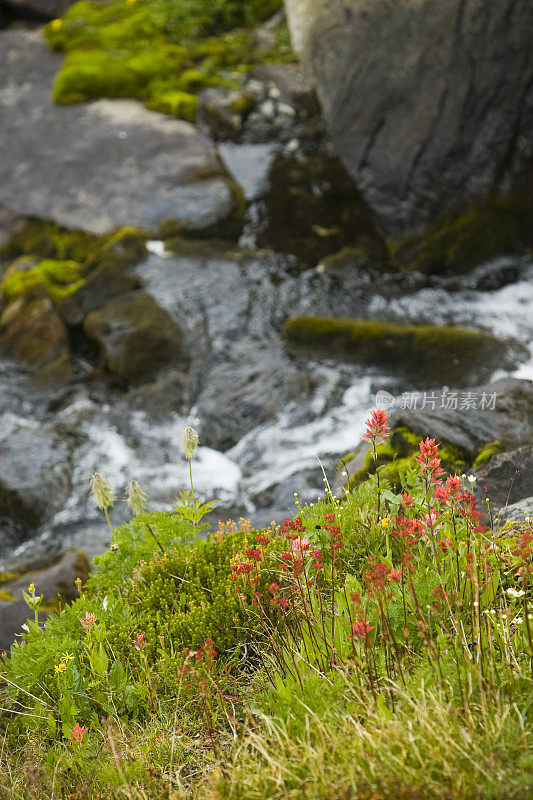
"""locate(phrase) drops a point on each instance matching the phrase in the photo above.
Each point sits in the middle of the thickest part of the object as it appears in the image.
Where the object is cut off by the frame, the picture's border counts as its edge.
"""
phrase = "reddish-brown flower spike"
(376, 425)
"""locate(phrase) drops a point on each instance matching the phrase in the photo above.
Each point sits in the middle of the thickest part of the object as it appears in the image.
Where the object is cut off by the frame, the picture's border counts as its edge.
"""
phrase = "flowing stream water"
(231, 306)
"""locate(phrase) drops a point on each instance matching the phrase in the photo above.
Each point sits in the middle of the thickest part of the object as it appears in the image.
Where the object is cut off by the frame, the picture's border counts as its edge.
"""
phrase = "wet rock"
(57, 580)
(32, 332)
(221, 112)
(170, 393)
(10, 223)
(35, 469)
(108, 163)
(516, 512)
(253, 382)
(136, 337)
(35, 9)
(506, 479)
(426, 102)
(510, 421)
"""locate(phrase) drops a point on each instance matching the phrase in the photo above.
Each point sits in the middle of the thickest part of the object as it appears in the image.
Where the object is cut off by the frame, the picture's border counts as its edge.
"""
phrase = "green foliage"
(428, 353)
(159, 51)
(399, 664)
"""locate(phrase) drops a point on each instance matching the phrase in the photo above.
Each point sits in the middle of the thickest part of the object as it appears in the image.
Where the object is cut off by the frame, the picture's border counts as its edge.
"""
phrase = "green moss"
(428, 354)
(46, 240)
(486, 453)
(156, 49)
(60, 279)
(500, 224)
(177, 103)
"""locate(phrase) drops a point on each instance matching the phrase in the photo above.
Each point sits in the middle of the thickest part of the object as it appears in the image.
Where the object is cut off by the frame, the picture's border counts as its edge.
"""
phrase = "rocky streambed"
(182, 319)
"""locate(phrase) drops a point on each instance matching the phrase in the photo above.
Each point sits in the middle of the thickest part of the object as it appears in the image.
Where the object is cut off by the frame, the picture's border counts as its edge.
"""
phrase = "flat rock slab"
(99, 165)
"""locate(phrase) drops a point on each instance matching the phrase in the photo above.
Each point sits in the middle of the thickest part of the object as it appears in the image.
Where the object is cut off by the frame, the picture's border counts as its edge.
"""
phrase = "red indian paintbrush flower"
(362, 629)
(376, 425)
(88, 620)
(77, 733)
(138, 642)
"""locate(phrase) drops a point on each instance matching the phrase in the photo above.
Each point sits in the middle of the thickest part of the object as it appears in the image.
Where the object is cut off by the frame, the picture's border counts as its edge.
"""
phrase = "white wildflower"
(515, 592)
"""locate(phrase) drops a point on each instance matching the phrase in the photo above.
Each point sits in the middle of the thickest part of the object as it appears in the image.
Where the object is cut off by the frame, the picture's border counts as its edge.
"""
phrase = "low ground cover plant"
(377, 644)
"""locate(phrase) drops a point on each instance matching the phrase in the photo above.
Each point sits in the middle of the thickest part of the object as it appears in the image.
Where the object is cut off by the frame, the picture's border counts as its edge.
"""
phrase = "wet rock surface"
(35, 471)
(99, 165)
(136, 337)
(506, 479)
(427, 102)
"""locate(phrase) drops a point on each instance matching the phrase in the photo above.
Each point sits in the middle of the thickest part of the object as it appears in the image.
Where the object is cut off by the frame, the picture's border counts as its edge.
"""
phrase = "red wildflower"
(407, 499)
(274, 587)
(376, 425)
(362, 629)
(138, 642)
(77, 733)
(88, 621)
(299, 545)
(262, 539)
(329, 517)
(254, 554)
(284, 602)
(444, 544)
(395, 575)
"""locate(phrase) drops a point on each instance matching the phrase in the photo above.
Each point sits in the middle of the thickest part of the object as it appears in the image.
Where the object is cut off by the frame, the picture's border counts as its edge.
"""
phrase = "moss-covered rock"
(32, 332)
(44, 239)
(136, 337)
(485, 453)
(59, 278)
(161, 52)
(430, 355)
(457, 242)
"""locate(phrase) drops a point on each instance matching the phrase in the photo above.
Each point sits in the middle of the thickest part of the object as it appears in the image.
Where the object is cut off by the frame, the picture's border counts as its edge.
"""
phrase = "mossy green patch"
(456, 242)
(157, 50)
(60, 279)
(486, 453)
(429, 354)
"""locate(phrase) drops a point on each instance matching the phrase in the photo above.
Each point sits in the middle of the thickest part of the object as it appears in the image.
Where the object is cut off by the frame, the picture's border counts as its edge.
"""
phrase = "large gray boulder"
(428, 101)
(99, 165)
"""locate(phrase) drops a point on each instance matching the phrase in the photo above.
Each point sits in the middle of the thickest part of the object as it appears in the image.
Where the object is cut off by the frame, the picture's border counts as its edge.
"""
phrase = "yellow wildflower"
(31, 587)
(385, 522)
(56, 24)
(67, 657)
(60, 668)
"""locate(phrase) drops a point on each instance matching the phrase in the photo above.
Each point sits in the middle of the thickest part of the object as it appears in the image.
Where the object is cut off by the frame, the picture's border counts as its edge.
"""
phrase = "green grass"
(159, 51)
